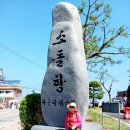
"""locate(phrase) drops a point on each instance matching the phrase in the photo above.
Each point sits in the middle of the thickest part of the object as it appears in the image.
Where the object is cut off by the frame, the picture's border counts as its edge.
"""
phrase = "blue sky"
(25, 27)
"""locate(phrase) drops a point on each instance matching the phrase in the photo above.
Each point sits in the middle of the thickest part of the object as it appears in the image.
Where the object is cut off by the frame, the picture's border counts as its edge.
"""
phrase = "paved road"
(117, 117)
(8, 116)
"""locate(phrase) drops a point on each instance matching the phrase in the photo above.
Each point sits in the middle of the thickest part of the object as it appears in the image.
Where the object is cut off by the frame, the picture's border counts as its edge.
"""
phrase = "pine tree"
(95, 91)
(99, 38)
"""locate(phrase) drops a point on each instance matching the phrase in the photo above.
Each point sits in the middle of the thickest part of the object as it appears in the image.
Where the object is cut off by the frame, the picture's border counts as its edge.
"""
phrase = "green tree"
(99, 38)
(95, 91)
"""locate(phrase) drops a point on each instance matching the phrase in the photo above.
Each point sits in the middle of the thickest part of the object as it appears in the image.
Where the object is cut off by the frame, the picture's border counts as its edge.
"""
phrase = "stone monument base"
(42, 127)
(87, 126)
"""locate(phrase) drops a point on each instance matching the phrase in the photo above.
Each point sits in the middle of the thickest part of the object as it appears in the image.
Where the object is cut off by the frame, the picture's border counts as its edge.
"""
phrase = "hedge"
(30, 111)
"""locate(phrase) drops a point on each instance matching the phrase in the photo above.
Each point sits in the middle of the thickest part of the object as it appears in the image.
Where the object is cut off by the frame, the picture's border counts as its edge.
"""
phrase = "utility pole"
(129, 77)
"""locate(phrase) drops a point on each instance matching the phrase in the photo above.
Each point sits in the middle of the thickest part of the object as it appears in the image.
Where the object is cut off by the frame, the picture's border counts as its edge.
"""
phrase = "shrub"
(30, 111)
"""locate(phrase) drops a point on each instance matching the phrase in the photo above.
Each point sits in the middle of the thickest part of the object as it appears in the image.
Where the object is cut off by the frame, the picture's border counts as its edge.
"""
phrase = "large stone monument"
(66, 76)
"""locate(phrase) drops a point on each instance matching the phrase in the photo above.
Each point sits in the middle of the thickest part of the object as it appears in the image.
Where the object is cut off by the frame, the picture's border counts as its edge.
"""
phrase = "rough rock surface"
(66, 76)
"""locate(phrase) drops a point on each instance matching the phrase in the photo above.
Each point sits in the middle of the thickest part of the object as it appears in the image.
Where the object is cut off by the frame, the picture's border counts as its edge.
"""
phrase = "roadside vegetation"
(95, 91)
(95, 115)
(30, 111)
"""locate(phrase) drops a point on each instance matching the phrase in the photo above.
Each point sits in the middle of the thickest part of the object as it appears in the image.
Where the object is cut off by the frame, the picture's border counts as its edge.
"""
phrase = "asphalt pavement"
(8, 117)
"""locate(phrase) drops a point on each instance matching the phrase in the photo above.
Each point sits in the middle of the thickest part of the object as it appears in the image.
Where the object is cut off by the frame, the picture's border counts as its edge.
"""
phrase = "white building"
(10, 91)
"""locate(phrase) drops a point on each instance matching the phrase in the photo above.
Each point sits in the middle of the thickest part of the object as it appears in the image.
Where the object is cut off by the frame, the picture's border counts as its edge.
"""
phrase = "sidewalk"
(15, 126)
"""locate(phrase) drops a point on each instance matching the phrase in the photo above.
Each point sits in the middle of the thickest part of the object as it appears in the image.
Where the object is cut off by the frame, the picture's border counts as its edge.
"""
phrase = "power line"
(20, 56)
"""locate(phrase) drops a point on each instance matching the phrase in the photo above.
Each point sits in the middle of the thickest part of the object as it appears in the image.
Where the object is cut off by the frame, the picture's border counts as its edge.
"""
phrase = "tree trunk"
(93, 102)
(109, 97)
(93, 98)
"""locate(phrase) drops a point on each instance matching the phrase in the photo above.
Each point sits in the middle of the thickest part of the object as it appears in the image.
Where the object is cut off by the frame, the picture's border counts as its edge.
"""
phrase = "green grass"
(95, 115)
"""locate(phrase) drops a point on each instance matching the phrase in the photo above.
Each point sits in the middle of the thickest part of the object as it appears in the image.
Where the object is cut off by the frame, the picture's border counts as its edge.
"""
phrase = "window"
(7, 91)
